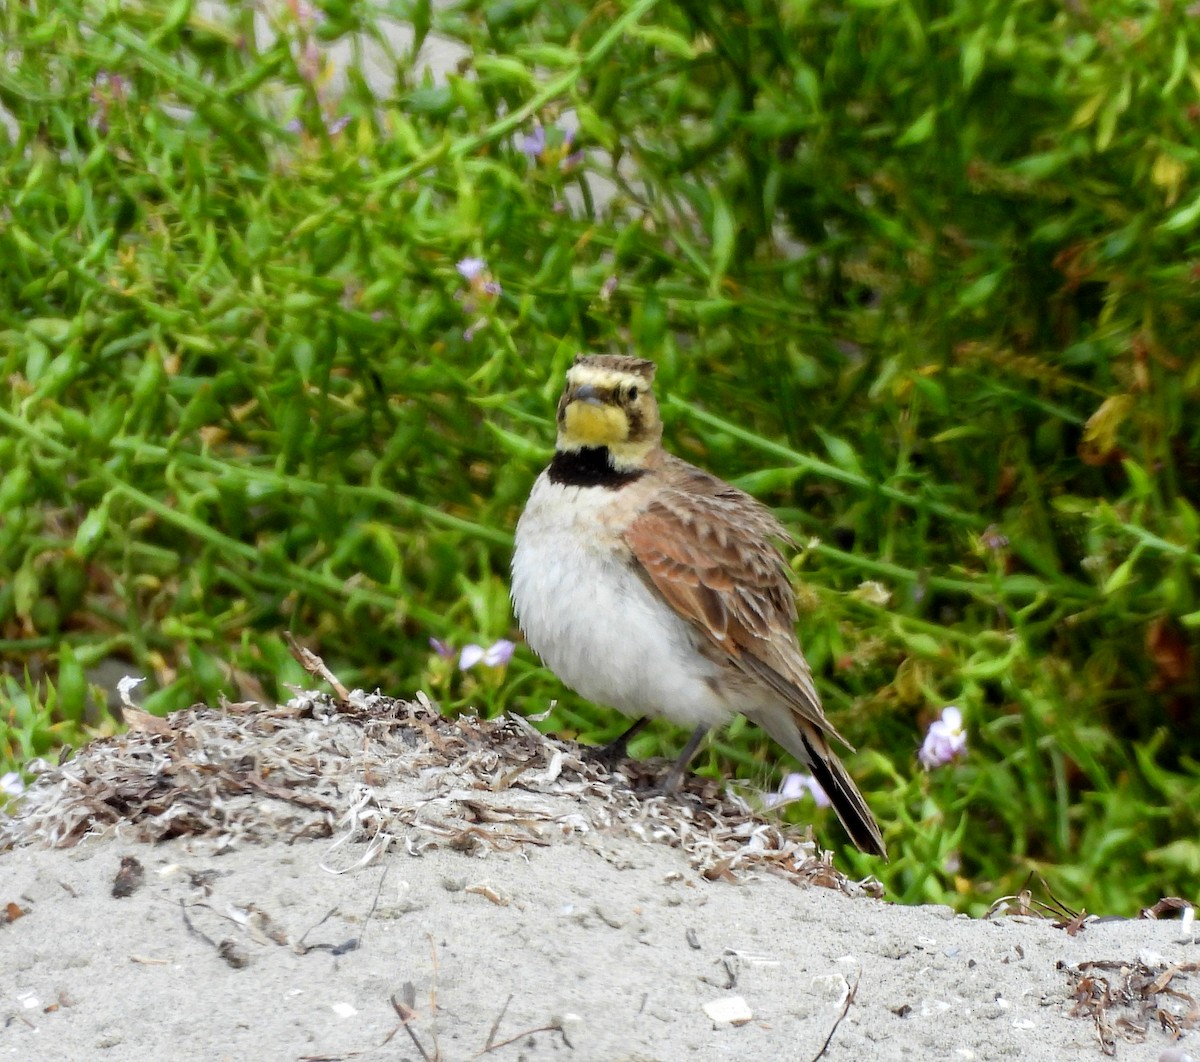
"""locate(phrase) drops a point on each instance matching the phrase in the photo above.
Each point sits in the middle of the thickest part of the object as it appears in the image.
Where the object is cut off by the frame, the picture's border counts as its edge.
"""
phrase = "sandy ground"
(536, 911)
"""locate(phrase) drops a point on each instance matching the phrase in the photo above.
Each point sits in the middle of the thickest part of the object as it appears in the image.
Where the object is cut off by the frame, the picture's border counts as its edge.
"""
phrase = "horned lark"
(651, 586)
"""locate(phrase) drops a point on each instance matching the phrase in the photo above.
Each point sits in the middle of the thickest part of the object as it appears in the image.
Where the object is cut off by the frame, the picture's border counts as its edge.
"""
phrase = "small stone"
(572, 1028)
(831, 987)
(732, 1010)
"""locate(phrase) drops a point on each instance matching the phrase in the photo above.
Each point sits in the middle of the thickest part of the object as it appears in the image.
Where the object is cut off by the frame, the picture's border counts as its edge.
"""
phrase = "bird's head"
(608, 404)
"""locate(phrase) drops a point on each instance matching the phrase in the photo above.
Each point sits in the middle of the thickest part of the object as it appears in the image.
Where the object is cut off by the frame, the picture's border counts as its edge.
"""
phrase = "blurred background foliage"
(923, 276)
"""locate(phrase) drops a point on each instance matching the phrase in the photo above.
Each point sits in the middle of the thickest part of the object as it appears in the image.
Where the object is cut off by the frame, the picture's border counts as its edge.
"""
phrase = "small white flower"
(470, 656)
(470, 268)
(11, 784)
(873, 592)
(946, 740)
(498, 654)
(794, 786)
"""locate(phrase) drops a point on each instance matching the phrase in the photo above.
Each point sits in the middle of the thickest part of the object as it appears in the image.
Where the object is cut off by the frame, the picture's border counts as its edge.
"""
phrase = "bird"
(653, 587)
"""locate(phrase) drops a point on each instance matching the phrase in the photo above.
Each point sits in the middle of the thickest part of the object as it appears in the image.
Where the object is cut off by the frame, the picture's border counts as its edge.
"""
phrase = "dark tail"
(847, 801)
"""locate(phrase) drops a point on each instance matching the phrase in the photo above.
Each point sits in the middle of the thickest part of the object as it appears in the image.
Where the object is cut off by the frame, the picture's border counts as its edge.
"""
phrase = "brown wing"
(707, 548)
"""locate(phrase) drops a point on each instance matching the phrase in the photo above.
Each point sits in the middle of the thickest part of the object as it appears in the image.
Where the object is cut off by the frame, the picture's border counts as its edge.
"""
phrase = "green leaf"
(723, 235)
(92, 529)
(1069, 503)
(973, 54)
(1112, 110)
(552, 56)
(920, 130)
(594, 127)
(52, 330)
(1181, 856)
(841, 453)
(1121, 576)
(979, 291)
(1140, 483)
(1185, 218)
(504, 69)
(71, 684)
(664, 39)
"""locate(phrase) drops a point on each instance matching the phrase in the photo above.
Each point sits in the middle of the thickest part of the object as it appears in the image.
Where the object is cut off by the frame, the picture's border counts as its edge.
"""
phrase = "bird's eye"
(633, 394)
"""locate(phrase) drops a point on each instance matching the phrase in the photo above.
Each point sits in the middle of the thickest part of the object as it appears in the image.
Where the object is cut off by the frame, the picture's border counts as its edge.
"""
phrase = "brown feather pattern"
(708, 549)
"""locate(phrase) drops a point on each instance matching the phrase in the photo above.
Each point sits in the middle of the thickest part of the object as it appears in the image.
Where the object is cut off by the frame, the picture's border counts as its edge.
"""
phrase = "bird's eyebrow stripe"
(604, 379)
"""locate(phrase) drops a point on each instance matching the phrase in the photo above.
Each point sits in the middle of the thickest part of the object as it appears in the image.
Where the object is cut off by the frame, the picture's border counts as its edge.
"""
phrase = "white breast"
(595, 623)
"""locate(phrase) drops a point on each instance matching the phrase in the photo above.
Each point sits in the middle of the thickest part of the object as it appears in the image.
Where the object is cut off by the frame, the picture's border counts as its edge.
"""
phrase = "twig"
(374, 903)
(192, 929)
(838, 1021)
(496, 1024)
(406, 1014)
(315, 666)
(433, 1004)
(335, 949)
(519, 1036)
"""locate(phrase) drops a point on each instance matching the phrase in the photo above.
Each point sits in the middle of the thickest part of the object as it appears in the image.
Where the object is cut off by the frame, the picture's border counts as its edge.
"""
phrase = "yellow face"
(608, 405)
(588, 423)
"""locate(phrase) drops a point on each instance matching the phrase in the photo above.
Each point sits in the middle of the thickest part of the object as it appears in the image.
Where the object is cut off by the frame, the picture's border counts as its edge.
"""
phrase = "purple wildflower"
(993, 538)
(481, 292)
(306, 15)
(107, 89)
(945, 740)
(308, 61)
(470, 656)
(550, 151)
(533, 145)
(444, 650)
(336, 125)
(499, 653)
(11, 784)
(571, 159)
(115, 85)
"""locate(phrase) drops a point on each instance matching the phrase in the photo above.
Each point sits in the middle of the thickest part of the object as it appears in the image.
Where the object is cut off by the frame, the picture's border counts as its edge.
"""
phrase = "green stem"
(827, 470)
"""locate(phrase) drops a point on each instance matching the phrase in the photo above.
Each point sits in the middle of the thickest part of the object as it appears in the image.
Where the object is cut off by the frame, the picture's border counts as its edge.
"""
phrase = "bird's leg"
(671, 782)
(615, 750)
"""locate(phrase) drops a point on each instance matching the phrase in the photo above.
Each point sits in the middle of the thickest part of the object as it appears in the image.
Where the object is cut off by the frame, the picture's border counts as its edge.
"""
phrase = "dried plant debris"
(1126, 999)
(10, 912)
(373, 771)
(129, 877)
(1052, 908)
(1063, 917)
(1168, 905)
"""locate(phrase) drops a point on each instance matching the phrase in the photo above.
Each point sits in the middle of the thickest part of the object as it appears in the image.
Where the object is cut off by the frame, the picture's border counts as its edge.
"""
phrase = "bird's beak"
(586, 393)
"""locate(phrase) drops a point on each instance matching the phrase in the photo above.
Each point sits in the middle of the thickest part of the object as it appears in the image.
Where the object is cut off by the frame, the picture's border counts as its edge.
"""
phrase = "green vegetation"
(924, 277)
